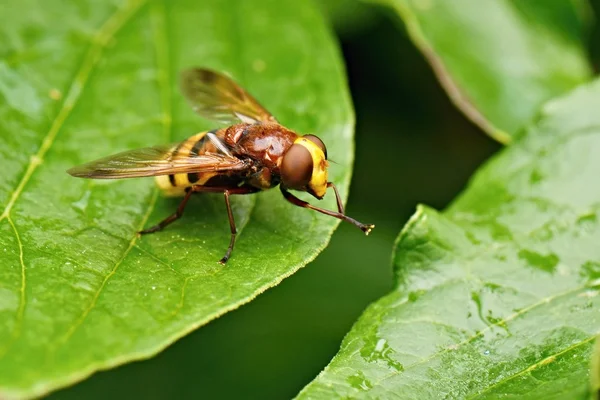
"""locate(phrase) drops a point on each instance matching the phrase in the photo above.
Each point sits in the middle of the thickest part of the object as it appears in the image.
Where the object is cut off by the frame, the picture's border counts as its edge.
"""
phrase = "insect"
(253, 153)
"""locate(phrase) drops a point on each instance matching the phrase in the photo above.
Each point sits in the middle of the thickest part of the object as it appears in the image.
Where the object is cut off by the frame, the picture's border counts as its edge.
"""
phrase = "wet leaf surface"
(498, 296)
(79, 291)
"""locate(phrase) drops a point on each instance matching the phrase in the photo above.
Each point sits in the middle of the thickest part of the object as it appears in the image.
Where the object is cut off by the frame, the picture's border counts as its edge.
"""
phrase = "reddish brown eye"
(296, 167)
(318, 142)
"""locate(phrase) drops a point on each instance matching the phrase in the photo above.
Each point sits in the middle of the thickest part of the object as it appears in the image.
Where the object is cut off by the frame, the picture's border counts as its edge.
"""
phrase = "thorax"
(265, 142)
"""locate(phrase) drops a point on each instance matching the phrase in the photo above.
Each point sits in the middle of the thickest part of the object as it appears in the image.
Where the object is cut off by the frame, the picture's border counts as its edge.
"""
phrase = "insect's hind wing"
(217, 97)
(155, 161)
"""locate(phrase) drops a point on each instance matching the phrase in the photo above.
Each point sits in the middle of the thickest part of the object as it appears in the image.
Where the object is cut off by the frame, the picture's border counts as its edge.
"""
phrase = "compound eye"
(296, 167)
(318, 142)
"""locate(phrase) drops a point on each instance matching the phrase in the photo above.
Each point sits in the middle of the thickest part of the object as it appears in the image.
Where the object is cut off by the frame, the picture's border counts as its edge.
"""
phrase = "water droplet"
(587, 222)
(381, 352)
(67, 267)
(380, 344)
(359, 381)
(83, 285)
(82, 203)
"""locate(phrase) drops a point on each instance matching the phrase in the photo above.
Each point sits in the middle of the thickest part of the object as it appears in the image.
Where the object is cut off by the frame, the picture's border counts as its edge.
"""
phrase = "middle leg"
(226, 193)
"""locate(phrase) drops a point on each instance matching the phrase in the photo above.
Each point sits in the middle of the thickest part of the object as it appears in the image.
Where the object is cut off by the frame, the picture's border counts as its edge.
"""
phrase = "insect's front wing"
(156, 161)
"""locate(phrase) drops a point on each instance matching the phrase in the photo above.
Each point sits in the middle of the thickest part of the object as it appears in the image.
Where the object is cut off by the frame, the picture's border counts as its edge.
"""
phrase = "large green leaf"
(79, 291)
(594, 389)
(500, 60)
(498, 296)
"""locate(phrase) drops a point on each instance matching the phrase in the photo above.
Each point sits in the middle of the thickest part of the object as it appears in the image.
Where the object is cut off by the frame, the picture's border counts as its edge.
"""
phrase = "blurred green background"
(412, 146)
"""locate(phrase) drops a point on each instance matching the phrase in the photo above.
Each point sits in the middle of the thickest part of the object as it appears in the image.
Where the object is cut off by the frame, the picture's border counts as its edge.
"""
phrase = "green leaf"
(497, 297)
(594, 393)
(500, 60)
(347, 16)
(79, 291)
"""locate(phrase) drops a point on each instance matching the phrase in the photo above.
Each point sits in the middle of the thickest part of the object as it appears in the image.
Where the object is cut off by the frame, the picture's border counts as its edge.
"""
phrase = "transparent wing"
(153, 161)
(217, 97)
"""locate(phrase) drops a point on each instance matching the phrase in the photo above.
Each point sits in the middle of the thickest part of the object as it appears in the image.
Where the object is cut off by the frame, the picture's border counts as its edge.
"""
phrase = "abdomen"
(175, 184)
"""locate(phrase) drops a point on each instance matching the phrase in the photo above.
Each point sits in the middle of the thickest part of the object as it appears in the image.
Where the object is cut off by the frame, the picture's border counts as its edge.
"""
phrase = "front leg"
(338, 199)
(366, 228)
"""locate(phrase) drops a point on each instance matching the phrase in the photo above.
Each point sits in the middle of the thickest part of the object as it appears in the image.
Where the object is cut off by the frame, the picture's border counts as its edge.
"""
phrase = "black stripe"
(176, 149)
(198, 145)
(193, 177)
(172, 180)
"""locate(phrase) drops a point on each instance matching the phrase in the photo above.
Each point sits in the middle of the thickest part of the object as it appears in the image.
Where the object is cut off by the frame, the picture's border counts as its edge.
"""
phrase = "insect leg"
(231, 226)
(227, 192)
(171, 217)
(337, 197)
(366, 228)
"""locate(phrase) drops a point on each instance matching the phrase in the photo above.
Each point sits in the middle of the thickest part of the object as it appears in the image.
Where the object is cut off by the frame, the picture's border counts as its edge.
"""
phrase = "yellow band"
(318, 180)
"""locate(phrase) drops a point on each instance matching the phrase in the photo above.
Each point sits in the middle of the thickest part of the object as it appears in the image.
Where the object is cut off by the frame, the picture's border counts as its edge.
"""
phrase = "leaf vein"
(106, 32)
(551, 358)
(22, 299)
(163, 84)
(83, 316)
(480, 333)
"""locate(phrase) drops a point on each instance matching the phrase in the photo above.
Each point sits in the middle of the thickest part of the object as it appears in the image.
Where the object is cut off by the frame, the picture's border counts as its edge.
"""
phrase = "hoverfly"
(253, 153)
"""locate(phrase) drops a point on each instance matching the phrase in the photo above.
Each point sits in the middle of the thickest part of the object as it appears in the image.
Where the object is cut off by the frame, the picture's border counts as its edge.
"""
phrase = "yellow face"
(317, 185)
(304, 166)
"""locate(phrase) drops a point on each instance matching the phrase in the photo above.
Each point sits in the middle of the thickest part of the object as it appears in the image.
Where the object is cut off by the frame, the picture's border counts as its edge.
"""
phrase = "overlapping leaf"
(500, 61)
(498, 297)
(79, 291)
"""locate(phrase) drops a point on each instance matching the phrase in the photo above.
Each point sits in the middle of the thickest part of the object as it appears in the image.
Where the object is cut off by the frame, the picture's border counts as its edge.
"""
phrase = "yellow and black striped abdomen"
(175, 185)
